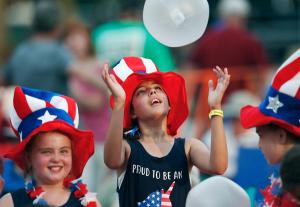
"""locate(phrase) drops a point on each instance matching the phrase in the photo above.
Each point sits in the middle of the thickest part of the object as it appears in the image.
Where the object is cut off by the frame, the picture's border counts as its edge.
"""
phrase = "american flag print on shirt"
(158, 198)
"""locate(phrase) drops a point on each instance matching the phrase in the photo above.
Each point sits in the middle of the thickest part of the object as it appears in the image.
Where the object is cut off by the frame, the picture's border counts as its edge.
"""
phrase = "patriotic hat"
(281, 105)
(130, 72)
(36, 111)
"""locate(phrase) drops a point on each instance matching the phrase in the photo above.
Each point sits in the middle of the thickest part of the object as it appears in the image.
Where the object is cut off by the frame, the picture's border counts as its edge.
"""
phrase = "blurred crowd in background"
(62, 45)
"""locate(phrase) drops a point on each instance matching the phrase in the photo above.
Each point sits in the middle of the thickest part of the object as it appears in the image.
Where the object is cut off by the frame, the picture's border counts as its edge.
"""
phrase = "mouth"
(155, 101)
(55, 168)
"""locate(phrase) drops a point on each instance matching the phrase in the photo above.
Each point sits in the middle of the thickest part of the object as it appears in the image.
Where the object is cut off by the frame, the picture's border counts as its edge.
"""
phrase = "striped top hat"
(130, 72)
(281, 105)
(36, 111)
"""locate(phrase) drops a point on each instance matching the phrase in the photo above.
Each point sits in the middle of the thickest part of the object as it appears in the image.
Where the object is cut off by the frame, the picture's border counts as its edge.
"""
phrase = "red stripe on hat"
(20, 104)
(71, 107)
(298, 94)
(48, 105)
(286, 73)
(116, 76)
(135, 64)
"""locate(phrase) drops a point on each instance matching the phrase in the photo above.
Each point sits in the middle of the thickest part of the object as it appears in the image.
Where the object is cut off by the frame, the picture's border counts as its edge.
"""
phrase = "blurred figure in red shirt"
(229, 43)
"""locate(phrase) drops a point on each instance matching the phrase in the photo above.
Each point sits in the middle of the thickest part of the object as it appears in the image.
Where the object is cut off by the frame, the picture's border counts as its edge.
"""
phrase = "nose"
(152, 91)
(55, 157)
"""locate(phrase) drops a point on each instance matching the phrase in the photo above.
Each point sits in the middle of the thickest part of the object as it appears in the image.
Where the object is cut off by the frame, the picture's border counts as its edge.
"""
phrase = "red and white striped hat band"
(130, 65)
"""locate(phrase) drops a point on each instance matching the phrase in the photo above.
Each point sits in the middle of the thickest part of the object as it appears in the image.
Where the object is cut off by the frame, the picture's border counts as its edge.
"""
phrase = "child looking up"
(153, 164)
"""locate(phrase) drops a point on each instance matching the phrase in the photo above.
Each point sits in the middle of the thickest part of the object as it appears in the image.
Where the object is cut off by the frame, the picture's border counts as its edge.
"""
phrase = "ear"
(283, 137)
(27, 161)
(133, 116)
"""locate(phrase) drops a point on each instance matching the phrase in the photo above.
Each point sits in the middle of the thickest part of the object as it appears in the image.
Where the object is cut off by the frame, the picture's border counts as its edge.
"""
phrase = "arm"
(75, 70)
(6, 200)
(115, 148)
(217, 159)
(98, 203)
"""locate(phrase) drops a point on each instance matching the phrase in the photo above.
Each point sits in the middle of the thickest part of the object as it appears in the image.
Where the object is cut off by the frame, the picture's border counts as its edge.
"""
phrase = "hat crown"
(133, 65)
(287, 77)
(281, 105)
(282, 101)
(33, 108)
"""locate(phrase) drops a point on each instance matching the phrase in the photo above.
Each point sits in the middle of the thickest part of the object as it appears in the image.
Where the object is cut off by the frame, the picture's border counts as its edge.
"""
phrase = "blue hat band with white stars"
(281, 106)
(40, 117)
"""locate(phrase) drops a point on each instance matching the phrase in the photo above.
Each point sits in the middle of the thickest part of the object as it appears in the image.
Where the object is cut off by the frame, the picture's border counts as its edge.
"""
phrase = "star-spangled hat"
(36, 111)
(130, 72)
(281, 105)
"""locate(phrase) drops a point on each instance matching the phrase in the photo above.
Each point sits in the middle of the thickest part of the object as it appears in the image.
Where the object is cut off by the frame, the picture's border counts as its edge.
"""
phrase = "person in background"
(42, 62)
(127, 36)
(93, 106)
(229, 43)
(276, 119)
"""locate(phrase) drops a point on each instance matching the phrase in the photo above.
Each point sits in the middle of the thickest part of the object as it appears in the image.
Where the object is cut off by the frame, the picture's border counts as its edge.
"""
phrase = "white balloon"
(217, 191)
(176, 23)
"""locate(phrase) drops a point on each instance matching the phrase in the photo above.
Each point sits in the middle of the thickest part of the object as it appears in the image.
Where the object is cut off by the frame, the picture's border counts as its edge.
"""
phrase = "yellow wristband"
(216, 112)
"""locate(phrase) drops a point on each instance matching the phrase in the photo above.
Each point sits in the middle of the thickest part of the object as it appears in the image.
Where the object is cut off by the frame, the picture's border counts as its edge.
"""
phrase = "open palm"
(113, 85)
(215, 95)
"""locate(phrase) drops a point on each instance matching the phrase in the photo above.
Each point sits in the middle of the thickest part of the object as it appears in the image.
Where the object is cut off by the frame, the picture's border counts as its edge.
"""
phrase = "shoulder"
(6, 200)
(191, 143)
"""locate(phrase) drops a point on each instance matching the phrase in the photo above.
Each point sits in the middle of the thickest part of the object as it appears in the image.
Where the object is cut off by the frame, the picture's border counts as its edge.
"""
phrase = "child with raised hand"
(277, 118)
(52, 151)
(153, 165)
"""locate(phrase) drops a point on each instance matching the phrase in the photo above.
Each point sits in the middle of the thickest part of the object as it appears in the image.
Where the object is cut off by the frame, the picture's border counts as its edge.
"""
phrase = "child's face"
(269, 143)
(51, 157)
(150, 101)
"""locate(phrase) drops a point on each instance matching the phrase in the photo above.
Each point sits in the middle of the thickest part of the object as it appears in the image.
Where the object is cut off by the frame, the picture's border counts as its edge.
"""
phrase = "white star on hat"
(274, 104)
(47, 117)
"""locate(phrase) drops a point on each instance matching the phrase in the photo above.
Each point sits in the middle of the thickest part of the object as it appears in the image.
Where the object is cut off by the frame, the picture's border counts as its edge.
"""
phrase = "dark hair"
(293, 137)
(47, 16)
(290, 170)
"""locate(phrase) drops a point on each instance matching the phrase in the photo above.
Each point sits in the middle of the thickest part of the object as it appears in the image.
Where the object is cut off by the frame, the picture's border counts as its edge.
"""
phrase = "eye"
(140, 91)
(65, 151)
(158, 88)
(46, 152)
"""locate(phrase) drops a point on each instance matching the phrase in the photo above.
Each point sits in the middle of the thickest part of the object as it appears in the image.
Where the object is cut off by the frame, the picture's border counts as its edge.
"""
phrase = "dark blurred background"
(275, 22)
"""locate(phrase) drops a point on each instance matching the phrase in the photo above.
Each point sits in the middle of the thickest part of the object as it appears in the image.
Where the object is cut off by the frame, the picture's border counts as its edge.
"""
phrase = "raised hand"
(114, 87)
(215, 95)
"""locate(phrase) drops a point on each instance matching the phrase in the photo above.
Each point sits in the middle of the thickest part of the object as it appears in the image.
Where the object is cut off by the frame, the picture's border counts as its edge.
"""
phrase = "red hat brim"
(82, 145)
(251, 116)
(174, 86)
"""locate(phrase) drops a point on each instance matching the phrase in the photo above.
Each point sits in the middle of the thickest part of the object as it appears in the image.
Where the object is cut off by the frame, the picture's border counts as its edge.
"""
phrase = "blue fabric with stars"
(37, 118)
(281, 106)
(153, 200)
